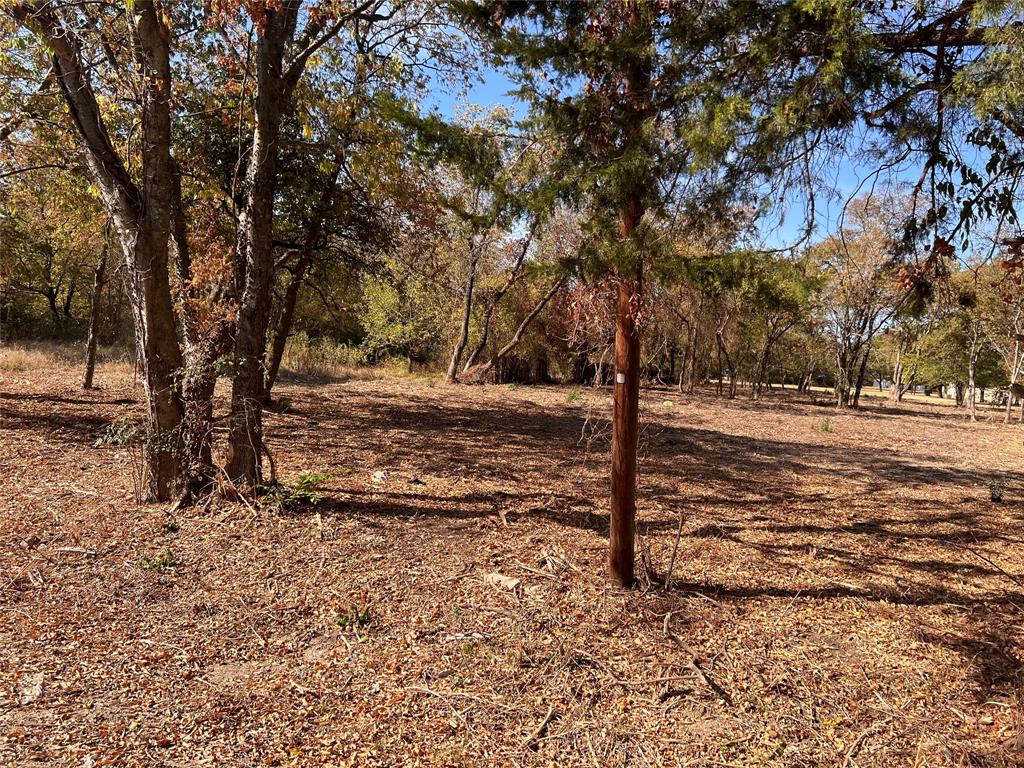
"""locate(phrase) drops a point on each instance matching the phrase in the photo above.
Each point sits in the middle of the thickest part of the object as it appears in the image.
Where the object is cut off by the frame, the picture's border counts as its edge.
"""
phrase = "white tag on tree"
(620, 378)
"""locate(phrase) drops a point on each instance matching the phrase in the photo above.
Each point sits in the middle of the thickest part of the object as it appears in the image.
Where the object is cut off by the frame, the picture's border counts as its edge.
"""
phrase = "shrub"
(305, 492)
(120, 432)
(161, 563)
(355, 617)
(320, 357)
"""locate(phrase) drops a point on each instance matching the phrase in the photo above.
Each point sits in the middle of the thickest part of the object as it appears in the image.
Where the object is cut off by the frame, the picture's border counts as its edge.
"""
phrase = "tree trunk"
(897, 373)
(626, 413)
(203, 346)
(467, 314)
(98, 277)
(51, 299)
(625, 419)
(485, 332)
(284, 325)
(842, 388)
(723, 354)
(860, 376)
(255, 241)
(520, 330)
(140, 216)
(691, 383)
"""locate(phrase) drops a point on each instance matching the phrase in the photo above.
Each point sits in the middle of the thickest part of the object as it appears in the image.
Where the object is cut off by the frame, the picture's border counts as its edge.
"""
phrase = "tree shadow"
(63, 400)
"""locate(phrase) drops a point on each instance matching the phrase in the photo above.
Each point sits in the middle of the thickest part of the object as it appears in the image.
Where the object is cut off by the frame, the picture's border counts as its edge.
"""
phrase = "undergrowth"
(305, 492)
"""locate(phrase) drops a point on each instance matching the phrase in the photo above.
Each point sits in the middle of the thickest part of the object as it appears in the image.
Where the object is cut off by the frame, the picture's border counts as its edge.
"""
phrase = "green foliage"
(224, 366)
(574, 394)
(303, 493)
(122, 431)
(722, 96)
(52, 237)
(957, 329)
(161, 563)
(825, 425)
(996, 489)
(402, 314)
(355, 617)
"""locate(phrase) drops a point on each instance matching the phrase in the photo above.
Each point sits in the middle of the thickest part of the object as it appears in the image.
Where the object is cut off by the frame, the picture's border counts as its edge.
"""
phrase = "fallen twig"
(675, 549)
(859, 741)
(693, 666)
(534, 737)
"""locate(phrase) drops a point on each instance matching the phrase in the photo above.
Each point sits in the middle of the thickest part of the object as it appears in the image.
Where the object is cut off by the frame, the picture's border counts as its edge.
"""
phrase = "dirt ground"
(844, 592)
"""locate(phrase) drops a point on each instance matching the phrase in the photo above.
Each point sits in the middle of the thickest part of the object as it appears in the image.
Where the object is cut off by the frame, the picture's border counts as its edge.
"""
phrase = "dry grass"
(27, 356)
(323, 360)
(840, 598)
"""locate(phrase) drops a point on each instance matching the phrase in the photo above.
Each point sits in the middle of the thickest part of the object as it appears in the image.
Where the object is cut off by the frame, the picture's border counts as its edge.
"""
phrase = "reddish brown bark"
(625, 419)
(629, 275)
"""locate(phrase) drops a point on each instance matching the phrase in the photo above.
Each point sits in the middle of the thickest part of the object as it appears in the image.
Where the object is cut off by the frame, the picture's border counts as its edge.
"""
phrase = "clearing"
(845, 592)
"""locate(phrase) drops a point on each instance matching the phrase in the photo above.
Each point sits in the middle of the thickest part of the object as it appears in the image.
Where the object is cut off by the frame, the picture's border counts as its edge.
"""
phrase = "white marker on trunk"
(620, 378)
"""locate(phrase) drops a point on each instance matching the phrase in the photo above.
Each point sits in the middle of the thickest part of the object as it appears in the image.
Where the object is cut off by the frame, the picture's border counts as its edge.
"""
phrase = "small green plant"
(996, 490)
(120, 432)
(305, 492)
(574, 395)
(512, 385)
(355, 617)
(162, 441)
(825, 426)
(224, 366)
(161, 563)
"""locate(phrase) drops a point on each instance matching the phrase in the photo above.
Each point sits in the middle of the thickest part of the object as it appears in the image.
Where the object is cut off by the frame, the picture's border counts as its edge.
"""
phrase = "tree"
(641, 97)
(138, 204)
(541, 266)
(1001, 316)
(51, 238)
(169, 57)
(778, 294)
(284, 49)
(861, 270)
(98, 279)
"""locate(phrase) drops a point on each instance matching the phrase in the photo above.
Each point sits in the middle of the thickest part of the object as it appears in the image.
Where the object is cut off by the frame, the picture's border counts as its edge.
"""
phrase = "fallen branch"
(675, 549)
(534, 737)
(1015, 579)
(859, 741)
(692, 665)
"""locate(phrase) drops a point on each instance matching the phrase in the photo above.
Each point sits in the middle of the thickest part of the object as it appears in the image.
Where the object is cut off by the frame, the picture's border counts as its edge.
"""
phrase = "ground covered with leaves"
(844, 592)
